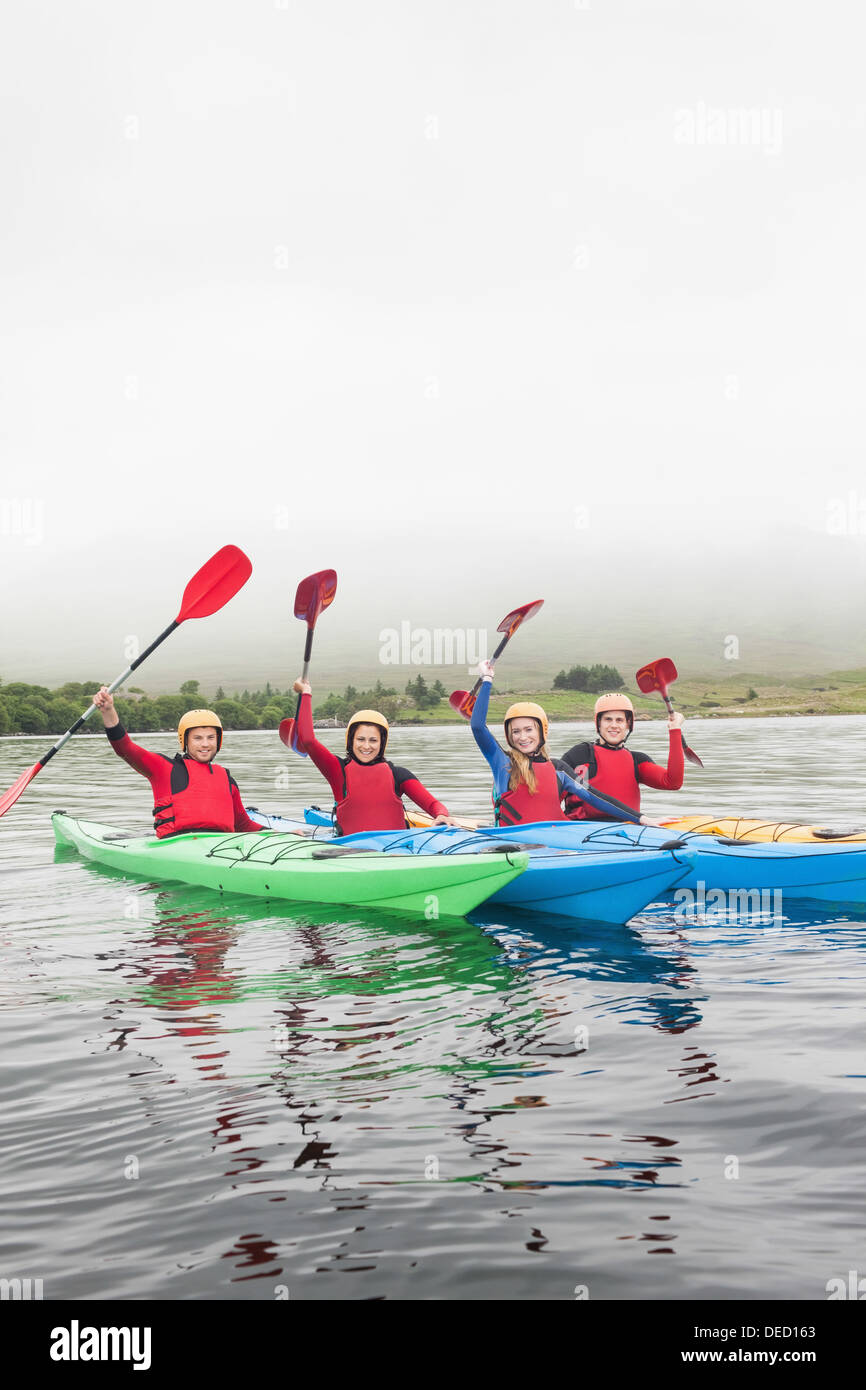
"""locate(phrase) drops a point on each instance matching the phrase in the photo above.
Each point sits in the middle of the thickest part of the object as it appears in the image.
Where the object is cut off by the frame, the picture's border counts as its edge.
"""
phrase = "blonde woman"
(527, 784)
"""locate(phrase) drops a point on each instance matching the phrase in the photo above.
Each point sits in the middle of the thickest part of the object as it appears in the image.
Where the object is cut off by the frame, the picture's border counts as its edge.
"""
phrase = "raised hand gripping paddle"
(464, 700)
(209, 590)
(658, 675)
(314, 594)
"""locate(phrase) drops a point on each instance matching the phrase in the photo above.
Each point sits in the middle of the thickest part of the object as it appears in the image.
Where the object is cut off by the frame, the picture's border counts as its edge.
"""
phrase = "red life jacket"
(524, 805)
(370, 800)
(201, 799)
(610, 771)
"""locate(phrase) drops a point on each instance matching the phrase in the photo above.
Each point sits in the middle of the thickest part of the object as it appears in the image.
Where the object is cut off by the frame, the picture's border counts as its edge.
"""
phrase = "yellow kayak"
(737, 828)
(728, 827)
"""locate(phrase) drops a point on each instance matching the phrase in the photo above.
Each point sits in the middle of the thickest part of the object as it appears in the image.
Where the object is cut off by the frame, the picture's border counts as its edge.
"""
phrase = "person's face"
(613, 726)
(201, 744)
(366, 743)
(524, 735)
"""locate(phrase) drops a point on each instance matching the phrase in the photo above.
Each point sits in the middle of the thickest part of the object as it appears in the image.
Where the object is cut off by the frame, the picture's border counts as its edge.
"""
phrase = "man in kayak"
(367, 789)
(607, 766)
(528, 785)
(190, 790)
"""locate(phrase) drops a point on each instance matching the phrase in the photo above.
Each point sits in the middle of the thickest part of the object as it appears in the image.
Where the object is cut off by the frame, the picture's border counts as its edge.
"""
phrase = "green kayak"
(272, 864)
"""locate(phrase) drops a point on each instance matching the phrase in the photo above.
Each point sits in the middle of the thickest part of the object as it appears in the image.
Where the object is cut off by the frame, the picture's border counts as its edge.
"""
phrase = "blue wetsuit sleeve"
(500, 763)
(610, 809)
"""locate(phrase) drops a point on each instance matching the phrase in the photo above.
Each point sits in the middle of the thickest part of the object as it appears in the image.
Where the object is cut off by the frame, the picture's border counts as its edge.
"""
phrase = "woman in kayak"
(367, 789)
(190, 790)
(607, 766)
(528, 785)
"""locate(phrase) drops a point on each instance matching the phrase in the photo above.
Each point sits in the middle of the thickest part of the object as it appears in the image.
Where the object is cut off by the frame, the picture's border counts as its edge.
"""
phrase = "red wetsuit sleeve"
(327, 762)
(407, 785)
(242, 820)
(156, 767)
(668, 779)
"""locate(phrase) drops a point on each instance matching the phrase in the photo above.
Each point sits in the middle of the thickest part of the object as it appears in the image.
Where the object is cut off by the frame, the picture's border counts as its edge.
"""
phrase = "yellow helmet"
(525, 709)
(199, 719)
(367, 716)
(606, 704)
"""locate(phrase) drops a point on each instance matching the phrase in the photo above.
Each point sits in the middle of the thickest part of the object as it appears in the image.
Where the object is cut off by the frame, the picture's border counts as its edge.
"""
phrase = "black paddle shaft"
(495, 657)
(308, 650)
(115, 685)
(689, 752)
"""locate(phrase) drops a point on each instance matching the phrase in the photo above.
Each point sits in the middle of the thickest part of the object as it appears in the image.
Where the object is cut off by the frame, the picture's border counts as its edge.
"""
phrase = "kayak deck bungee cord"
(274, 865)
(765, 832)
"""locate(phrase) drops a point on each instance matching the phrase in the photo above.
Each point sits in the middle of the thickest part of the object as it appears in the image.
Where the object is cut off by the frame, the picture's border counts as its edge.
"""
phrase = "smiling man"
(190, 790)
(616, 771)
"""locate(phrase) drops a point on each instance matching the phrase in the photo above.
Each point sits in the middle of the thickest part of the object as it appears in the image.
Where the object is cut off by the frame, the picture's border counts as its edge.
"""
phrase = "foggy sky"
(474, 303)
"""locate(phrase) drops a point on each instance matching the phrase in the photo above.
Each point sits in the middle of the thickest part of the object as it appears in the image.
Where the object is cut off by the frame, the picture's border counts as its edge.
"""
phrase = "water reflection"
(480, 1023)
(670, 997)
(336, 1015)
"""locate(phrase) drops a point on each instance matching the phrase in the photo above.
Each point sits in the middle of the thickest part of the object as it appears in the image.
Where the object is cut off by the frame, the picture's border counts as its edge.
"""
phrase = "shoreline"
(746, 696)
(641, 718)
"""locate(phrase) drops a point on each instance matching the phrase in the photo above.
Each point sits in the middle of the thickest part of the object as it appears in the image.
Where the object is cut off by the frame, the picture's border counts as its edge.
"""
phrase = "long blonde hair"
(522, 769)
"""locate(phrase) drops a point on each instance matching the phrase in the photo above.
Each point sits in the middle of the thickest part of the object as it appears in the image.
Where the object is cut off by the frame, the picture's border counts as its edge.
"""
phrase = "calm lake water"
(213, 1098)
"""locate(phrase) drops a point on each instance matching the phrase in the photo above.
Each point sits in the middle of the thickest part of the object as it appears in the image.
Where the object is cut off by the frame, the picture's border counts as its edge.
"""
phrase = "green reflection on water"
(332, 950)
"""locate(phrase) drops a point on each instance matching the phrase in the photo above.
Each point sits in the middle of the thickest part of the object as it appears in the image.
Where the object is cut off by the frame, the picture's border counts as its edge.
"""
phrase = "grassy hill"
(839, 692)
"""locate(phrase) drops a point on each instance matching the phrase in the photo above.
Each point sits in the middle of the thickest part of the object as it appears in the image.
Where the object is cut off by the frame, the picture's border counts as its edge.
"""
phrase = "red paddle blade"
(463, 701)
(656, 675)
(315, 594)
(512, 622)
(10, 797)
(216, 582)
(289, 736)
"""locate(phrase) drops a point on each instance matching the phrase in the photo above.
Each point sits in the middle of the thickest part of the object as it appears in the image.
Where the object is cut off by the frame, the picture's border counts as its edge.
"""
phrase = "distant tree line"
(34, 709)
(383, 698)
(592, 678)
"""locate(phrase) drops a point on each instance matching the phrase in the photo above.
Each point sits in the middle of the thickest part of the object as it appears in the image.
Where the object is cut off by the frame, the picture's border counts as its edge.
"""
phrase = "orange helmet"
(525, 709)
(606, 704)
(367, 716)
(199, 719)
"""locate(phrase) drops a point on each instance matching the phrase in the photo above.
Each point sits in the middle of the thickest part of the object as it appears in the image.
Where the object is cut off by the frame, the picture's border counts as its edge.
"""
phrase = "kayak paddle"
(658, 675)
(314, 594)
(208, 591)
(464, 700)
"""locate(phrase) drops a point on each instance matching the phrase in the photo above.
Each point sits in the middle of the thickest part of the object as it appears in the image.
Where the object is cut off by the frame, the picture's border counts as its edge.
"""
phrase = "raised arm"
(496, 758)
(327, 762)
(140, 759)
(668, 779)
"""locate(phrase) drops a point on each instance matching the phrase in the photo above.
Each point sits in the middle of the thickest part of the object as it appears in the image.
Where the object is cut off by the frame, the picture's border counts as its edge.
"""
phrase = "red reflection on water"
(254, 1250)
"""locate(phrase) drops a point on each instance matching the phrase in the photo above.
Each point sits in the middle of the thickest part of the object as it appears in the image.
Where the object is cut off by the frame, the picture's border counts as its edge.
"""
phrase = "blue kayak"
(831, 873)
(610, 883)
(748, 873)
